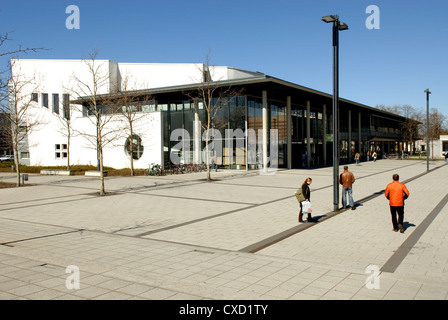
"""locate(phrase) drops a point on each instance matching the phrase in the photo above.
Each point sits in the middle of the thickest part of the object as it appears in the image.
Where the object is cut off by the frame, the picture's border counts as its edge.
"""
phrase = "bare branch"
(19, 110)
(5, 37)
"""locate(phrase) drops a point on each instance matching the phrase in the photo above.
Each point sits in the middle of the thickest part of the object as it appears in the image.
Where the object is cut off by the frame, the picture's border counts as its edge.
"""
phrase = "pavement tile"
(7, 296)
(47, 294)
(158, 294)
(113, 295)
(25, 290)
(337, 295)
(90, 292)
(429, 292)
(315, 290)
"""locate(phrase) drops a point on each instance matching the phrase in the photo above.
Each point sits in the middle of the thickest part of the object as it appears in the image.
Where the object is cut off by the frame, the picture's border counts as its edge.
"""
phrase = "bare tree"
(131, 110)
(436, 121)
(97, 109)
(410, 125)
(5, 75)
(18, 110)
(415, 124)
(66, 119)
(214, 95)
(392, 109)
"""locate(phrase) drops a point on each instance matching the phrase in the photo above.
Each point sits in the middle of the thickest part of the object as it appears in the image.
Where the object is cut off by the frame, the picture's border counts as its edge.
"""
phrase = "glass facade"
(230, 120)
(237, 122)
(238, 114)
(227, 140)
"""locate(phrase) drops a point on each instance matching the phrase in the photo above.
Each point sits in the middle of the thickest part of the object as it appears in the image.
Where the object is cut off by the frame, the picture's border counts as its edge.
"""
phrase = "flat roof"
(278, 89)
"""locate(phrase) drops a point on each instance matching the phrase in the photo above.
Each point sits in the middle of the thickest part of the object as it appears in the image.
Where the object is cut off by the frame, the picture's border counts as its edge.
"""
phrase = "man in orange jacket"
(396, 192)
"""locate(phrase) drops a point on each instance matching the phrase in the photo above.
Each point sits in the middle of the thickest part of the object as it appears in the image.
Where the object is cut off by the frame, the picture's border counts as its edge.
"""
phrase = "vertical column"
(359, 133)
(265, 129)
(308, 133)
(162, 134)
(288, 132)
(196, 134)
(324, 139)
(349, 136)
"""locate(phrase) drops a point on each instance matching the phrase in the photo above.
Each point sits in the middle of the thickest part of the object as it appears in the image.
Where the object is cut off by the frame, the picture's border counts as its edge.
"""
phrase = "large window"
(45, 100)
(56, 103)
(66, 105)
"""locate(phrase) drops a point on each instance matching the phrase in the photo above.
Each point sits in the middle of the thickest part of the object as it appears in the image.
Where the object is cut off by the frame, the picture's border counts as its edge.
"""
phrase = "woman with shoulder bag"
(306, 193)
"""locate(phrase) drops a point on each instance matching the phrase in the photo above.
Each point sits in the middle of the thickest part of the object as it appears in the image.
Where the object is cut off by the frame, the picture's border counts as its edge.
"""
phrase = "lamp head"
(342, 26)
(330, 18)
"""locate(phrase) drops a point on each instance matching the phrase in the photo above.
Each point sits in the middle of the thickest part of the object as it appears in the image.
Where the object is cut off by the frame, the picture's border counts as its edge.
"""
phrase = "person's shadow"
(317, 218)
(407, 225)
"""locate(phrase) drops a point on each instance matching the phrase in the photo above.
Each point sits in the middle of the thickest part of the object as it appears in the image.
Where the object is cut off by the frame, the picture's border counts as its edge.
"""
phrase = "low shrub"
(79, 169)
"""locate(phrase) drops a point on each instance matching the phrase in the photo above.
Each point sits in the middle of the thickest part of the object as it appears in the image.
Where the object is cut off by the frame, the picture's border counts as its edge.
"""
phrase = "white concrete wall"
(157, 75)
(148, 128)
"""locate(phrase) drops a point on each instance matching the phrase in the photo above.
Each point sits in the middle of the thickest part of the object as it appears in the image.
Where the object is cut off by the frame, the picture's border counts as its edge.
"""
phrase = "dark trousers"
(394, 211)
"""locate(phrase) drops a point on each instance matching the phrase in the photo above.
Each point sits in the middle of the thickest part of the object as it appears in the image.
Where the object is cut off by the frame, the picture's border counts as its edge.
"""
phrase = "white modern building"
(301, 116)
(53, 83)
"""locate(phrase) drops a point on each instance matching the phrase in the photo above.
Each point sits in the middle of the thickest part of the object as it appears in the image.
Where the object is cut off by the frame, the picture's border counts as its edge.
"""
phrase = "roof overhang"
(278, 89)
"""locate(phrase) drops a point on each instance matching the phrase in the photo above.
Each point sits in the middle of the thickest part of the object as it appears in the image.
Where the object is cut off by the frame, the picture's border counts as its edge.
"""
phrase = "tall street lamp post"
(337, 26)
(427, 128)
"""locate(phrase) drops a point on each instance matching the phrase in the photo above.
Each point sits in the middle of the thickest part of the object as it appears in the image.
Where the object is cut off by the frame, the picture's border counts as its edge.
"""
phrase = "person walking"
(306, 194)
(214, 166)
(357, 158)
(446, 156)
(396, 193)
(374, 155)
(346, 179)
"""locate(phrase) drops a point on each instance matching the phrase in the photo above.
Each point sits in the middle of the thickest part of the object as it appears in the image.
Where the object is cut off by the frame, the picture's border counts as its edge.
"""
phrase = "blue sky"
(282, 38)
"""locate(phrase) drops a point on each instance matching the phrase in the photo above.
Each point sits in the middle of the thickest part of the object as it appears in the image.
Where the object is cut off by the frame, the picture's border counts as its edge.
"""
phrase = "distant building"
(301, 116)
(438, 148)
(5, 136)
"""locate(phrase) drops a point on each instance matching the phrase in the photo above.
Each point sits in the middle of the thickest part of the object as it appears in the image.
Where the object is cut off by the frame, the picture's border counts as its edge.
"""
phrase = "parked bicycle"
(192, 167)
(157, 170)
(154, 170)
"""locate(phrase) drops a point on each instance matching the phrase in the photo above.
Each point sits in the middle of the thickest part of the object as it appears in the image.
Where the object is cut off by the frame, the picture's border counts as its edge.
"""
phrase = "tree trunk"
(102, 189)
(207, 160)
(100, 156)
(207, 140)
(16, 162)
(68, 151)
(131, 150)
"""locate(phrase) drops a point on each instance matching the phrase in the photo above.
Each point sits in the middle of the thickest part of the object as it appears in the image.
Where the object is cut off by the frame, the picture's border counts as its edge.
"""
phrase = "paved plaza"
(237, 238)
